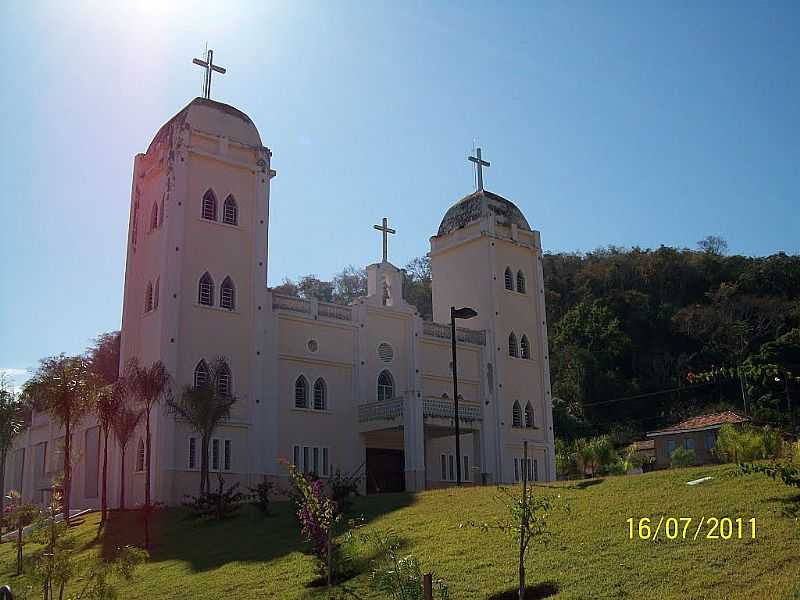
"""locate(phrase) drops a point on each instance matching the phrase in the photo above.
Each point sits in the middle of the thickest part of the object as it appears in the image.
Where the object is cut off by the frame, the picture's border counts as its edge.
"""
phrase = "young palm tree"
(104, 364)
(13, 420)
(149, 385)
(62, 387)
(204, 407)
(108, 402)
(124, 422)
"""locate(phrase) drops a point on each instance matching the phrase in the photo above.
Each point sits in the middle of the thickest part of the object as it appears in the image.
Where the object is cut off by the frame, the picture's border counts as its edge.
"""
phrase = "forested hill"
(627, 326)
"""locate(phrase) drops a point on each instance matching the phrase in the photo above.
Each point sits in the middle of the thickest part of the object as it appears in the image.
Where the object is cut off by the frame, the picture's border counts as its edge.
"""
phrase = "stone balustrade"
(468, 336)
(380, 411)
(443, 408)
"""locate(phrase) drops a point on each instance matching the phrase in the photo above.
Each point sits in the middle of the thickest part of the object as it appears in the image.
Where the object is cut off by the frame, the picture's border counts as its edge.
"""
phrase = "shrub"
(343, 487)
(565, 459)
(260, 497)
(317, 515)
(747, 445)
(218, 505)
(394, 575)
(597, 454)
(682, 457)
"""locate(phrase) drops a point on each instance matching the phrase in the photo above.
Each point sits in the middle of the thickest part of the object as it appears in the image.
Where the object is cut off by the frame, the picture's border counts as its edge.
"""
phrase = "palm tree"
(204, 407)
(62, 387)
(149, 385)
(124, 422)
(108, 402)
(13, 420)
(104, 363)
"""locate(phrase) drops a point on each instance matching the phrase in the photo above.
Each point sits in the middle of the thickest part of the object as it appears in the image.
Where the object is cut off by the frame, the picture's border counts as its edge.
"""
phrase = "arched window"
(148, 297)
(155, 292)
(512, 345)
(140, 456)
(230, 212)
(509, 279)
(516, 415)
(529, 415)
(201, 374)
(227, 294)
(223, 380)
(385, 386)
(154, 217)
(520, 282)
(301, 393)
(205, 290)
(209, 206)
(320, 394)
(525, 347)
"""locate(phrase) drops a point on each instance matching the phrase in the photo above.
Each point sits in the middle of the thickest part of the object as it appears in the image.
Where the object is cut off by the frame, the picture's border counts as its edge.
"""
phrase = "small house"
(698, 434)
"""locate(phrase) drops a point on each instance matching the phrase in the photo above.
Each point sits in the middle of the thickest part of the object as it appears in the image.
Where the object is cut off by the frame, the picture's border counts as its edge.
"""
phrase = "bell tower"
(196, 272)
(486, 256)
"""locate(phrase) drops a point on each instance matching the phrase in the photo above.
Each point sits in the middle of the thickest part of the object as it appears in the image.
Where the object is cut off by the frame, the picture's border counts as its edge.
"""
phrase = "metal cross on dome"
(479, 164)
(210, 67)
(384, 228)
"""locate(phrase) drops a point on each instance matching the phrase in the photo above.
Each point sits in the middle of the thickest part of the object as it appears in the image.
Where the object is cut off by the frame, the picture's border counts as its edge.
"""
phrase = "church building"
(366, 387)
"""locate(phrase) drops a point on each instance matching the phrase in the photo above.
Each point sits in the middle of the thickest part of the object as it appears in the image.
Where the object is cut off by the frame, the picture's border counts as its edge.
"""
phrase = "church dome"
(215, 118)
(471, 209)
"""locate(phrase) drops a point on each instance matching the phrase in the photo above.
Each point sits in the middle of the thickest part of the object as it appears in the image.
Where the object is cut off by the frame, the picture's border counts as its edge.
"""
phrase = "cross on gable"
(384, 228)
(479, 164)
(210, 67)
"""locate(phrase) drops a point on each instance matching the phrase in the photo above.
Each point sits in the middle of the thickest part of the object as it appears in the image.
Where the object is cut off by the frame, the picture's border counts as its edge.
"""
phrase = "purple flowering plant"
(317, 515)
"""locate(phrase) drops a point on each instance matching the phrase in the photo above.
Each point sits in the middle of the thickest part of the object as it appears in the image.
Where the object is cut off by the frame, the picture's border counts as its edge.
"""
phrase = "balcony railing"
(469, 336)
(291, 303)
(335, 311)
(301, 305)
(380, 411)
(443, 408)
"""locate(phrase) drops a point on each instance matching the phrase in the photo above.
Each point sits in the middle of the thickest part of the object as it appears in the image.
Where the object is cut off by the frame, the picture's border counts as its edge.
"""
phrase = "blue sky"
(626, 123)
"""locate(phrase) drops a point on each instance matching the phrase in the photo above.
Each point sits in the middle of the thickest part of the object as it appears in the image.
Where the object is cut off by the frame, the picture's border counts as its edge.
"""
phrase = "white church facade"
(361, 387)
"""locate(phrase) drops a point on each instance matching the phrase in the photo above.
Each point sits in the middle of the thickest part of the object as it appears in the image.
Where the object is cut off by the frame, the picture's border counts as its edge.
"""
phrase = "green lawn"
(589, 556)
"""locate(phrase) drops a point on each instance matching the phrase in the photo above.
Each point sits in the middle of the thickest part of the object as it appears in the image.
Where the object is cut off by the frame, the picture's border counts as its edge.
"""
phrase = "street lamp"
(457, 313)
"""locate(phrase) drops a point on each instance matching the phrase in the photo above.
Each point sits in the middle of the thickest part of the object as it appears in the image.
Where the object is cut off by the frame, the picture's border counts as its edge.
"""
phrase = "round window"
(385, 352)
(313, 346)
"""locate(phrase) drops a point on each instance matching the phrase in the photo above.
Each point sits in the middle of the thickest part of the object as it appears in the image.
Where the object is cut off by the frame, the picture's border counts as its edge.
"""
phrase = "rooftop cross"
(210, 67)
(479, 164)
(384, 228)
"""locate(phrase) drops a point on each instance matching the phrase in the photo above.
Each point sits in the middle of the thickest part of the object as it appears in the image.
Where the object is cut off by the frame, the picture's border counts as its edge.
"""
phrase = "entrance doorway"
(385, 470)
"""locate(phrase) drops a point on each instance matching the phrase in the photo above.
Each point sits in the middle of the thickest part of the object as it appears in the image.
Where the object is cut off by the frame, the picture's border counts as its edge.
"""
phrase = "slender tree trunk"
(204, 474)
(147, 480)
(147, 456)
(744, 392)
(67, 466)
(103, 496)
(19, 548)
(122, 480)
(3, 456)
(329, 557)
(524, 524)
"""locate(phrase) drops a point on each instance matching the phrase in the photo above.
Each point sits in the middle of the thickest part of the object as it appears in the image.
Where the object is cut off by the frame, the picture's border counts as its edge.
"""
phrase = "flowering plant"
(317, 515)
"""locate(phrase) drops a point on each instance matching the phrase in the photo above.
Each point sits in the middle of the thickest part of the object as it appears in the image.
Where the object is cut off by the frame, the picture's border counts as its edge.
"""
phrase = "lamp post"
(457, 313)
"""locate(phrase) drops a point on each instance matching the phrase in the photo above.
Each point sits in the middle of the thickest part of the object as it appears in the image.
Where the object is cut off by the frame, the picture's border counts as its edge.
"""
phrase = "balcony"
(442, 408)
(380, 411)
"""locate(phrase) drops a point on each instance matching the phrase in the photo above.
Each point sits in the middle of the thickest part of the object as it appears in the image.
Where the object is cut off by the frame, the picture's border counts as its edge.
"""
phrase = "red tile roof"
(702, 422)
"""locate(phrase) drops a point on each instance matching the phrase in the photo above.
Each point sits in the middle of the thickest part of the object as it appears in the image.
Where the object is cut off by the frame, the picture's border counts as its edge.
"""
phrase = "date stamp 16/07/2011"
(691, 528)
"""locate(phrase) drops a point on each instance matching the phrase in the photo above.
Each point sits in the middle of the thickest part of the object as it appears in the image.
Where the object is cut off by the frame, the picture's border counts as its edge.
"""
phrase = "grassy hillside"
(589, 556)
